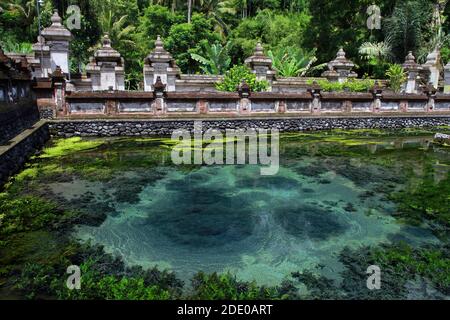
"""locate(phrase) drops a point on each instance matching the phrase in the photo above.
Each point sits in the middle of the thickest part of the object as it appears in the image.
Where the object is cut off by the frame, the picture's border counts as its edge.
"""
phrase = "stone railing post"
(202, 106)
(316, 105)
(159, 63)
(430, 91)
(447, 78)
(281, 106)
(413, 69)
(58, 86)
(377, 92)
(340, 69)
(261, 65)
(106, 68)
(57, 38)
(432, 67)
(245, 105)
(159, 89)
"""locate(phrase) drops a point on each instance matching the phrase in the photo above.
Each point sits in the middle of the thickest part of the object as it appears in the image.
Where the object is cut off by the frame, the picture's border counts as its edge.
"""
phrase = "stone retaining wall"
(21, 148)
(105, 128)
(15, 119)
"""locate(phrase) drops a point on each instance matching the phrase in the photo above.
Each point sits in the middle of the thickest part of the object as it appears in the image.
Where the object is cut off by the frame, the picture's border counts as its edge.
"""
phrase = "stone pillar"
(106, 68)
(245, 105)
(413, 69)
(159, 90)
(58, 85)
(377, 92)
(261, 65)
(430, 91)
(433, 67)
(447, 78)
(316, 105)
(159, 63)
(57, 37)
(281, 106)
(340, 69)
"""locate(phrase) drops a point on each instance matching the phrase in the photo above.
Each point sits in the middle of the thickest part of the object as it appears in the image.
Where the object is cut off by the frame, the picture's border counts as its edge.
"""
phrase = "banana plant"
(291, 62)
(215, 58)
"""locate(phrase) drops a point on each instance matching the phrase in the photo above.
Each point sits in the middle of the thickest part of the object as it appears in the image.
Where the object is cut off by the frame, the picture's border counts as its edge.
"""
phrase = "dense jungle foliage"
(210, 36)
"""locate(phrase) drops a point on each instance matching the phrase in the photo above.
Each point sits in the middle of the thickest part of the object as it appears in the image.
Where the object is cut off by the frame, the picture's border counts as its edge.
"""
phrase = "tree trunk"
(189, 10)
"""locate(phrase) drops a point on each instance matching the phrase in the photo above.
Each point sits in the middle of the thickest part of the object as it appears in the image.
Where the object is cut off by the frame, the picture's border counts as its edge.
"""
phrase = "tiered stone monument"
(57, 38)
(41, 62)
(160, 63)
(413, 69)
(106, 68)
(261, 65)
(340, 69)
(432, 67)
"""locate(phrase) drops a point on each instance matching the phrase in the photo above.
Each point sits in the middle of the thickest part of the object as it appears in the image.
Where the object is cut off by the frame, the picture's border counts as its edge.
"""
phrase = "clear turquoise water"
(230, 218)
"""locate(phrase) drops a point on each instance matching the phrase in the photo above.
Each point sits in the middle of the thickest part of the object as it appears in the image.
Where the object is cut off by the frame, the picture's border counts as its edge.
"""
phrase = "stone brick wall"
(106, 128)
(14, 119)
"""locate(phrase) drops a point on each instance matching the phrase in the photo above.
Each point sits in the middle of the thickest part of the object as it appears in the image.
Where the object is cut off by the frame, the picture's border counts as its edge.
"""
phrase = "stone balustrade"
(157, 104)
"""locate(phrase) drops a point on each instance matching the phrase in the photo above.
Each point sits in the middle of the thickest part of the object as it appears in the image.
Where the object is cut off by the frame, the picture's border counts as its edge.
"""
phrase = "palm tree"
(215, 9)
(405, 28)
(118, 32)
(375, 50)
(438, 19)
(215, 60)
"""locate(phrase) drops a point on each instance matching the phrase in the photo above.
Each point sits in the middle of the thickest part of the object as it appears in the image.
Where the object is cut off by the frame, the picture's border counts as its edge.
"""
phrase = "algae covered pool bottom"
(330, 193)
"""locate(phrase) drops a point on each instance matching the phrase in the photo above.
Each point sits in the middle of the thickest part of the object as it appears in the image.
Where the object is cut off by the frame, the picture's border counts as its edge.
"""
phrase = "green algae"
(64, 147)
(422, 201)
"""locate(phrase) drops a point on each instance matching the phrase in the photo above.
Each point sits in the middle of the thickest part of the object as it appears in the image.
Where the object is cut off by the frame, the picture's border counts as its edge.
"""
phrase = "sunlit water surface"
(230, 218)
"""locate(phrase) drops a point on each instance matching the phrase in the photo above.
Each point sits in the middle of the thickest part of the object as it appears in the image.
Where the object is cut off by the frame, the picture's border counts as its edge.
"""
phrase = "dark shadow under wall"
(15, 118)
(14, 155)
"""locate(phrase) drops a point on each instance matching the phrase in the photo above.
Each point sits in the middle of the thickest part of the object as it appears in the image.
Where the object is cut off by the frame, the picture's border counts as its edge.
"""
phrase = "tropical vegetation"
(211, 36)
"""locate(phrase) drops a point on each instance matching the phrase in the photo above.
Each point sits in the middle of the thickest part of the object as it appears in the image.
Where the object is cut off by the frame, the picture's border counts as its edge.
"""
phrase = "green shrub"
(20, 214)
(349, 85)
(226, 287)
(406, 261)
(396, 76)
(234, 77)
(95, 285)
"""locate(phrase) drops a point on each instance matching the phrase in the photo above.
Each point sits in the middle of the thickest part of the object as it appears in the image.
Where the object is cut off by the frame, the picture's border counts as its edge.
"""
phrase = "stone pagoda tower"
(160, 63)
(340, 69)
(106, 68)
(261, 65)
(57, 38)
(413, 69)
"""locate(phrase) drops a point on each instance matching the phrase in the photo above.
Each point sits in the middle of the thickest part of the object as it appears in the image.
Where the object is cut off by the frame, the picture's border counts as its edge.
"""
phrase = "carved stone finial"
(159, 88)
(410, 63)
(58, 74)
(259, 50)
(410, 58)
(106, 41)
(244, 89)
(56, 19)
(341, 54)
(159, 85)
(159, 44)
